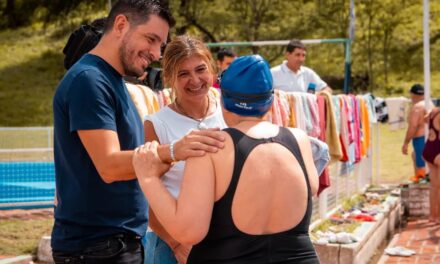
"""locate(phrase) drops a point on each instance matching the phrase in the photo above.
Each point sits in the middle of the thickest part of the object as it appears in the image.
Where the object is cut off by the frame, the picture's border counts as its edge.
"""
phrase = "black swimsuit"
(225, 243)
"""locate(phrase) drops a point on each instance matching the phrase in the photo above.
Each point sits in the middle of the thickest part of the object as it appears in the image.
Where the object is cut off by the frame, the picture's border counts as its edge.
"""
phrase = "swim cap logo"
(243, 106)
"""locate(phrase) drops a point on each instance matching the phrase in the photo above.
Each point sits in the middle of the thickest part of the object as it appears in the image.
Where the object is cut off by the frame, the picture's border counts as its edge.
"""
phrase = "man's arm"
(103, 147)
(327, 89)
(413, 122)
(321, 85)
(112, 164)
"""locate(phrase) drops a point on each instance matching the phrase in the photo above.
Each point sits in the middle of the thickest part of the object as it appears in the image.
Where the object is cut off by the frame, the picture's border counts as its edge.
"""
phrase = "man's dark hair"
(417, 89)
(225, 52)
(295, 44)
(138, 12)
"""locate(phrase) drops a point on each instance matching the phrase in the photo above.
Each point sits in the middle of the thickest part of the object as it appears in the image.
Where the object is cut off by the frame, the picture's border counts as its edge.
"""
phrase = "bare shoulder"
(227, 147)
(434, 112)
(419, 105)
(299, 134)
(418, 108)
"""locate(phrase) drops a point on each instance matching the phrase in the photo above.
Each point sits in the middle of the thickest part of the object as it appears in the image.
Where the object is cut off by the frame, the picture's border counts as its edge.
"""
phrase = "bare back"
(271, 195)
(416, 118)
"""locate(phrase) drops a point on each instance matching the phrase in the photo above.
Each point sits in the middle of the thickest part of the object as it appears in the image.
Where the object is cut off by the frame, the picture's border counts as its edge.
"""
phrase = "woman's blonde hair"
(179, 49)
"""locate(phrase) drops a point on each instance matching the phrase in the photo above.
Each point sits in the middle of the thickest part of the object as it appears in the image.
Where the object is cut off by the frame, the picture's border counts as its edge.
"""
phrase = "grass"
(29, 72)
(25, 139)
(31, 67)
(38, 138)
(394, 167)
(18, 237)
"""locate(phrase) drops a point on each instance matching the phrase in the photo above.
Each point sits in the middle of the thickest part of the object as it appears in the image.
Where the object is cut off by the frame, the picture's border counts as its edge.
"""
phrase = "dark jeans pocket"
(112, 250)
(106, 249)
(60, 258)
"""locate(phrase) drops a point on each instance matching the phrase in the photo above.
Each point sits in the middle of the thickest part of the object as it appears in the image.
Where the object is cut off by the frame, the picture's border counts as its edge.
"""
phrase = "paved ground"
(421, 236)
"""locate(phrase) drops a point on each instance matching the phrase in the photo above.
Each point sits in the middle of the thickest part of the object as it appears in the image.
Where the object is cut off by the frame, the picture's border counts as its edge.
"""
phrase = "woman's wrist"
(164, 153)
(172, 150)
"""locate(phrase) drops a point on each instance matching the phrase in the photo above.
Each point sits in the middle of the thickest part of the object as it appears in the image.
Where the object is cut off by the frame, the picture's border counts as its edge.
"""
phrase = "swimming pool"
(27, 184)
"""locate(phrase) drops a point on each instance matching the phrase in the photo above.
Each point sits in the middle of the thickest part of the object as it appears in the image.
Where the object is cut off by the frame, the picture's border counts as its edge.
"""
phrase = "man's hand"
(181, 253)
(405, 148)
(198, 142)
(146, 161)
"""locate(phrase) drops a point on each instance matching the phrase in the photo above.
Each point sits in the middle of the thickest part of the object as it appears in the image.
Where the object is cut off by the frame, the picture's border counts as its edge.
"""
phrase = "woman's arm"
(150, 135)
(186, 219)
(180, 251)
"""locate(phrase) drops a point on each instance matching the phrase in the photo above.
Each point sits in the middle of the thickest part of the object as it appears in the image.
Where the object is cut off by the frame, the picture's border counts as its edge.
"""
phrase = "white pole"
(377, 153)
(352, 23)
(109, 4)
(426, 54)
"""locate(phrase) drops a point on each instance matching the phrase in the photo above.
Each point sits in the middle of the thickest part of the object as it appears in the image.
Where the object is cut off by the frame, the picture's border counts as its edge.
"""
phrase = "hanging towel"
(343, 130)
(332, 137)
(314, 113)
(144, 99)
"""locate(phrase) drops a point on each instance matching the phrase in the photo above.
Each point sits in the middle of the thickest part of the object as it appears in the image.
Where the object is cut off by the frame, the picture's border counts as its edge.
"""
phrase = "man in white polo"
(292, 76)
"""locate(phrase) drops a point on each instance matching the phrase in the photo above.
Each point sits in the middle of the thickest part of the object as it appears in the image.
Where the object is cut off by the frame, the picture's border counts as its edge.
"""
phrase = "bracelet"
(172, 150)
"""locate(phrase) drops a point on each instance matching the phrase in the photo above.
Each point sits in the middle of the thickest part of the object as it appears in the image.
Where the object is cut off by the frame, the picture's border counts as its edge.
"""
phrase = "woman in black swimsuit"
(251, 202)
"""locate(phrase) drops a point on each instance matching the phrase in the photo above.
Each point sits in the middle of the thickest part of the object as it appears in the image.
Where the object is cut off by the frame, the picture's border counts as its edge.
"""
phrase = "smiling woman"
(187, 68)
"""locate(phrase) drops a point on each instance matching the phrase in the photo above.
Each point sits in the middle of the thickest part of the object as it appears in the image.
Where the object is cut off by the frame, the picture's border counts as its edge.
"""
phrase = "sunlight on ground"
(394, 167)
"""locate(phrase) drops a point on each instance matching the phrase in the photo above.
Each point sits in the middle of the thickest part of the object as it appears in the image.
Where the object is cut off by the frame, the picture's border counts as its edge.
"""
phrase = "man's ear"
(121, 25)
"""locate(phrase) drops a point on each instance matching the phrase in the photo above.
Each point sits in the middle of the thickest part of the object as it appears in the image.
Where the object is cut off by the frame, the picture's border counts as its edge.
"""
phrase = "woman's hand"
(146, 162)
(198, 142)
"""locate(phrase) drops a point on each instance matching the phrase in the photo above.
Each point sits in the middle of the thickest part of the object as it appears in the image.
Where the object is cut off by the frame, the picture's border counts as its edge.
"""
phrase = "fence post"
(323, 198)
(49, 137)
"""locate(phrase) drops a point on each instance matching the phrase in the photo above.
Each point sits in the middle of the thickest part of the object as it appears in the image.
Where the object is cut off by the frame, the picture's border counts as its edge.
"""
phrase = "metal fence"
(345, 181)
(27, 177)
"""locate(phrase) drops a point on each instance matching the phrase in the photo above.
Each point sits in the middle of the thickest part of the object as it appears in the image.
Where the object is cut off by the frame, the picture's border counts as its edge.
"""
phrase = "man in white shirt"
(292, 76)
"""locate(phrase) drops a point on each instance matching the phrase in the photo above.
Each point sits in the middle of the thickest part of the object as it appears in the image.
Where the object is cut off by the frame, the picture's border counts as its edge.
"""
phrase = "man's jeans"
(118, 249)
(157, 251)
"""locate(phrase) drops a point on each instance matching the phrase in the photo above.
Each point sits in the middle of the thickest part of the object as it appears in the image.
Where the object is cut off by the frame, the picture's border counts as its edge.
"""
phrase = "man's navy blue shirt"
(92, 95)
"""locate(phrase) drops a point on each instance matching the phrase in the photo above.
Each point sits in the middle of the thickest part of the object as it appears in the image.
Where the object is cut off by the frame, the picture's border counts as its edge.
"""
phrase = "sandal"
(399, 251)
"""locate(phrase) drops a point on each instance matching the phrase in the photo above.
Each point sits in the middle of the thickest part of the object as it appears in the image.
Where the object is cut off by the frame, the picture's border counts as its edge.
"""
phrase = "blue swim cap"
(247, 86)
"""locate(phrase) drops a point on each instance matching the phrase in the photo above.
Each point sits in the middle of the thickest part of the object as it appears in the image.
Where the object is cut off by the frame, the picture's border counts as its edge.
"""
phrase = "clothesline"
(339, 120)
(342, 121)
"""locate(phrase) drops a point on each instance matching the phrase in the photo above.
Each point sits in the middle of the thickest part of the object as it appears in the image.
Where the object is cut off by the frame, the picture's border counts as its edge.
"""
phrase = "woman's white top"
(170, 125)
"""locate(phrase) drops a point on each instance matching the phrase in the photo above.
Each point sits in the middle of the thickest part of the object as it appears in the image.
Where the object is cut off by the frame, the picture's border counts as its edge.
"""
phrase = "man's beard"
(128, 65)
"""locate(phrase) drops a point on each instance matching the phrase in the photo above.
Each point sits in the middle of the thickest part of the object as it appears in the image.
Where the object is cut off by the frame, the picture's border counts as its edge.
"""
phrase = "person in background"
(431, 153)
(292, 76)
(416, 131)
(262, 168)
(187, 68)
(225, 57)
(101, 213)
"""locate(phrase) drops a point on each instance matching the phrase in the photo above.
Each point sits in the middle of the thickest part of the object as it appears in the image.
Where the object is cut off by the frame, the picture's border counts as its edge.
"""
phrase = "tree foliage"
(388, 38)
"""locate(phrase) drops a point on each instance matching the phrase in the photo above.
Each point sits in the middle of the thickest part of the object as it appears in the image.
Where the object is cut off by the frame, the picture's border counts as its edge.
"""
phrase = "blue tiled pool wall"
(24, 183)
